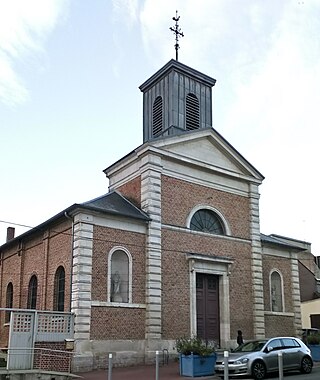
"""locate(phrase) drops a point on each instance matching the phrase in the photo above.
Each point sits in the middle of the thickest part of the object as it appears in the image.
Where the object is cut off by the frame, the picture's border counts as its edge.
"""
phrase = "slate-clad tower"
(176, 99)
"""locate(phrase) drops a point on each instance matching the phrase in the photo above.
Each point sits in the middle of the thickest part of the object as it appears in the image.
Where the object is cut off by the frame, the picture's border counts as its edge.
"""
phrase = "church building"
(173, 249)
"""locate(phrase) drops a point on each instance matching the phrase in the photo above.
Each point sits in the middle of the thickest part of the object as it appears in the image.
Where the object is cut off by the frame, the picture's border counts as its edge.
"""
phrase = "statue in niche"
(116, 283)
(274, 298)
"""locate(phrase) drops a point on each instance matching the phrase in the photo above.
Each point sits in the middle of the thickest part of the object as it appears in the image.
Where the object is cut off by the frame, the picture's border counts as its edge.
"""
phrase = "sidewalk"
(166, 372)
(148, 372)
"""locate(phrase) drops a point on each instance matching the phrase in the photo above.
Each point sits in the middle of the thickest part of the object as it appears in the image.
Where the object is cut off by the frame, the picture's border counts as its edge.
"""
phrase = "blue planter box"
(315, 352)
(195, 365)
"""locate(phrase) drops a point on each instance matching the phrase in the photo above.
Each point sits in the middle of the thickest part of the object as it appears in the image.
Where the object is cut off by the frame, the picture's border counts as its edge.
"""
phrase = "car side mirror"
(269, 349)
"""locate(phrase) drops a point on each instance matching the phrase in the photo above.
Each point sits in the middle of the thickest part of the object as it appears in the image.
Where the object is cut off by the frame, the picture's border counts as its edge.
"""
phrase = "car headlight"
(241, 361)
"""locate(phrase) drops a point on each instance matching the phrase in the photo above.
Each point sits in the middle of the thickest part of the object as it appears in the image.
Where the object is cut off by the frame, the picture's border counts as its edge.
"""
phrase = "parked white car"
(256, 358)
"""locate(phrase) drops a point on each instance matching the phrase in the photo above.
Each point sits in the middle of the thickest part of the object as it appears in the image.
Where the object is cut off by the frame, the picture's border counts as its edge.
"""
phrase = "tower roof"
(179, 67)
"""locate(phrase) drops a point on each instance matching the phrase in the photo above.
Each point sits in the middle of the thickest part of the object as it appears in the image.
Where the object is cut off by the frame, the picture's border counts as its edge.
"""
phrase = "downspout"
(21, 253)
(71, 260)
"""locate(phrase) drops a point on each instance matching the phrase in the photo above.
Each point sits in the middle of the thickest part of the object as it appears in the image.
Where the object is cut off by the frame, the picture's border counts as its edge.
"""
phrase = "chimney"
(10, 233)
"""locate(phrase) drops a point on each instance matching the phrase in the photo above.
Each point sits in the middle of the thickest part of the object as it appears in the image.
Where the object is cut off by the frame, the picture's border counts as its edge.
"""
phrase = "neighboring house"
(173, 249)
(310, 291)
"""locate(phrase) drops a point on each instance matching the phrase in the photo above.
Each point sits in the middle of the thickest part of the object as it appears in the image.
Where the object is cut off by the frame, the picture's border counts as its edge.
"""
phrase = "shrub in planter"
(313, 339)
(197, 346)
(313, 342)
(197, 358)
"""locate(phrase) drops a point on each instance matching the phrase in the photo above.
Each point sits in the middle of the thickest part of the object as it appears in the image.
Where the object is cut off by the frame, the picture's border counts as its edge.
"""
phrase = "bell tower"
(176, 99)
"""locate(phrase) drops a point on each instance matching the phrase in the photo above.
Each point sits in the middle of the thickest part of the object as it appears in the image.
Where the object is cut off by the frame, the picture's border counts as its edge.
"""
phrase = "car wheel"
(306, 365)
(258, 370)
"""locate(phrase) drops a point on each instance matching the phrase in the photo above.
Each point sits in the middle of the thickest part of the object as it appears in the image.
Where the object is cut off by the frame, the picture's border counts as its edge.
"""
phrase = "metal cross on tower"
(177, 31)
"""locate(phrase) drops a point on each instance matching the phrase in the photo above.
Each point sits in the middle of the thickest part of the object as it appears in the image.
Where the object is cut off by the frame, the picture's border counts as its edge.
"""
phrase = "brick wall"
(104, 240)
(277, 325)
(41, 255)
(132, 191)
(4, 333)
(52, 356)
(175, 295)
(180, 197)
(10, 272)
(176, 289)
(117, 323)
(59, 254)
(283, 265)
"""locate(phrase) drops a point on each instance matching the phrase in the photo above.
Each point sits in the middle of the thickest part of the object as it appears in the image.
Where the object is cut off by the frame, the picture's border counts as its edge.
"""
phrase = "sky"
(70, 105)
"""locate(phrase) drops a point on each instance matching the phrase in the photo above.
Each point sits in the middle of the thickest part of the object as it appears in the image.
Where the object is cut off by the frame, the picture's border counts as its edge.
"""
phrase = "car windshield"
(252, 346)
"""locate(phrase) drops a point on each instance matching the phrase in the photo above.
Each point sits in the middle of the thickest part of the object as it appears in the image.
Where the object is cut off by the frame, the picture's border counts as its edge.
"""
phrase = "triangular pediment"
(207, 147)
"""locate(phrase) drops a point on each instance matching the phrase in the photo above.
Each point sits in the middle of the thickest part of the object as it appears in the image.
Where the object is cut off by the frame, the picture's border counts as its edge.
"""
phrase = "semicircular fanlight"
(207, 221)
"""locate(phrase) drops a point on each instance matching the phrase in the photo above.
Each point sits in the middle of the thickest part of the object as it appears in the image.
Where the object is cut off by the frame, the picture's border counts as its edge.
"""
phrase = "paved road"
(171, 372)
(295, 375)
(167, 372)
(314, 375)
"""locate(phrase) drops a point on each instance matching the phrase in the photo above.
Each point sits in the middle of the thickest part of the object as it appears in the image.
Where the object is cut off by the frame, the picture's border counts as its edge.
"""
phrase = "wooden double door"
(207, 301)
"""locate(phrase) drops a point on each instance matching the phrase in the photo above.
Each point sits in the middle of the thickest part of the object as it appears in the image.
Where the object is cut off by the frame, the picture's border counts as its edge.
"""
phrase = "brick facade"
(132, 191)
(167, 179)
(39, 255)
(117, 323)
(180, 197)
(176, 276)
(283, 266)
(111, 327)
(104, 240)
(178, 200)
(279, 325)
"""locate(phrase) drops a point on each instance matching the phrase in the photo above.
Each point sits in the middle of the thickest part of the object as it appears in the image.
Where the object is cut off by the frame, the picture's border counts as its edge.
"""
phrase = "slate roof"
(111, 203)
(273, 240)
(174, 65)
(115, 203)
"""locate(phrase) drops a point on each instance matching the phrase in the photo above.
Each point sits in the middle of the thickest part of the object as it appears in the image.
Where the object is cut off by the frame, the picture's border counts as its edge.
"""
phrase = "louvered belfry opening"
(157, 116)
(176, 99)
(192, 112)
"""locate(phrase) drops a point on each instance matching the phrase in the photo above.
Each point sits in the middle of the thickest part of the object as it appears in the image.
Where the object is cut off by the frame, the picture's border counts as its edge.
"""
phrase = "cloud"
(12, 90)
(284, 88)
(222, 30)
(125, 12)
(24, 27)
(266, 57)
(124, 17)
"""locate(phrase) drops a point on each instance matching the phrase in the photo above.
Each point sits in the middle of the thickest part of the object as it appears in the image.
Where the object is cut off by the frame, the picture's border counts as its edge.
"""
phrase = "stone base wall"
(31, 375)
(93, 355)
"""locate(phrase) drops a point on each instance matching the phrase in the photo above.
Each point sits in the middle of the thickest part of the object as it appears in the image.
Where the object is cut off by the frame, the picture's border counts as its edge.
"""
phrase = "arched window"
(9, 301)
(120, 276)
(59, 289)
(157, 116)
(276, 291)
(192, 112)
(32, 293)
(206, 220)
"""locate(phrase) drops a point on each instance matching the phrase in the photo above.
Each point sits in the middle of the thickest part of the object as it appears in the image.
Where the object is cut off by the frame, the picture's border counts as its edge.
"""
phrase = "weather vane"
(177, 31)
